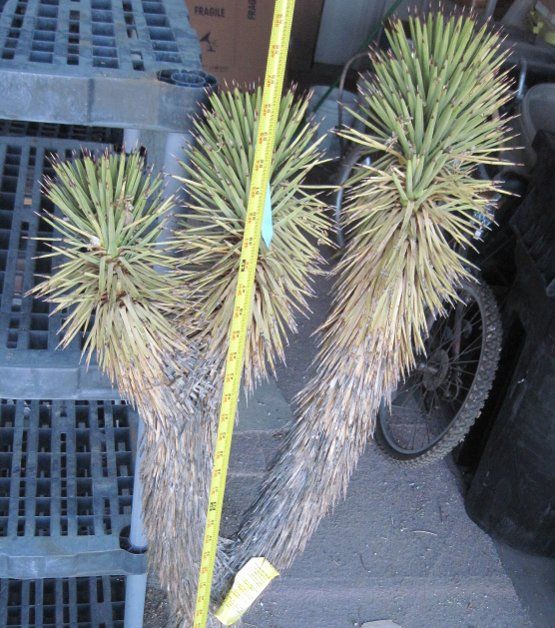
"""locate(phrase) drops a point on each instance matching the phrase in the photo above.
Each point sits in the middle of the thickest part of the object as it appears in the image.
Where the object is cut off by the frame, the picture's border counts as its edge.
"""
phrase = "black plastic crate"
(31, 366)
(73, 602)
(66, 488)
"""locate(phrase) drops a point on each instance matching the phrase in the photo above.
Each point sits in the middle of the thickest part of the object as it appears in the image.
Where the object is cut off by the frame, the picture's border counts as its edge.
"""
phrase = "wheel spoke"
(470, 350)
(475, 344)
(471, 372)
(443, 328)
(457, 361)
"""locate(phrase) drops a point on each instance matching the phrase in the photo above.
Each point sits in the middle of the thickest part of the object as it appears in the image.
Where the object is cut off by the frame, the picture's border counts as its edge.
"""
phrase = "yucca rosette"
(217, 179)
(113, 276)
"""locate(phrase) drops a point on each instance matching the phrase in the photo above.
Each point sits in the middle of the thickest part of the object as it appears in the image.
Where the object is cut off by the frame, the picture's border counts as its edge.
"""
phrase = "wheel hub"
(436, 369)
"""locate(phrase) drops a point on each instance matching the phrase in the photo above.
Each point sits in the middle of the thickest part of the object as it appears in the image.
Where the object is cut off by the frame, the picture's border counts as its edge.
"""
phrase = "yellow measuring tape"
(267, 121)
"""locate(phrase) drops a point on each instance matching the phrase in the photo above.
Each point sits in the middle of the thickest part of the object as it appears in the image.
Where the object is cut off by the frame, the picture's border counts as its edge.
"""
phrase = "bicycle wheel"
(439, 400)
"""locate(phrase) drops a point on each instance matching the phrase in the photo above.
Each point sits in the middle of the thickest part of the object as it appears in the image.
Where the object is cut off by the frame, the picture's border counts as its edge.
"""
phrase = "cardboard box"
(234, 35)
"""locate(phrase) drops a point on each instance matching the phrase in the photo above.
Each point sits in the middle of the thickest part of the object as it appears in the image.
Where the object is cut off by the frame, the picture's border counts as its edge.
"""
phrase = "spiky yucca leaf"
(217, 178)
(432, 113)
(114, 278)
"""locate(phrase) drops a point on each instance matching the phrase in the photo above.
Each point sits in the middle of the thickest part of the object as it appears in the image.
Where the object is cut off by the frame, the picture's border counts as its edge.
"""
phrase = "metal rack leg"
(135, 586)
(135, 590)
(173, 154)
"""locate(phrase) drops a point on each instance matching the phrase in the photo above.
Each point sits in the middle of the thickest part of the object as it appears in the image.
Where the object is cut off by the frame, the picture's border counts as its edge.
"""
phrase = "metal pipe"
(135, 585)
(174, 153)
(137, 536)
(376, 31)
(521, 80)
(490, 8)
(131, 139)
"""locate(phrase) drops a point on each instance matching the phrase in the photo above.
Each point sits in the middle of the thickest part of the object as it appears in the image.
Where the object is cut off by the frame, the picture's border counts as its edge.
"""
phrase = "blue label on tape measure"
(267, 223)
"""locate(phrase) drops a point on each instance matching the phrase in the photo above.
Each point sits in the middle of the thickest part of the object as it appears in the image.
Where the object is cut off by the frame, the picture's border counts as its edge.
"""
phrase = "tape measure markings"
(267, 122)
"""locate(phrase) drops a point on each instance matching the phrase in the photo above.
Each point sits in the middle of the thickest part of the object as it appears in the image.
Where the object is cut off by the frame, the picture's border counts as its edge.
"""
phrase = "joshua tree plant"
(121, 287)
(216, 178)
(430, 112)
(193, 304)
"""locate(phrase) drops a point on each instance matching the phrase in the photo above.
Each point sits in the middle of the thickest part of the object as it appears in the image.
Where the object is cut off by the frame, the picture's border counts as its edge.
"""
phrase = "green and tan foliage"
(217, 178)
(430, 115)
(113, 276)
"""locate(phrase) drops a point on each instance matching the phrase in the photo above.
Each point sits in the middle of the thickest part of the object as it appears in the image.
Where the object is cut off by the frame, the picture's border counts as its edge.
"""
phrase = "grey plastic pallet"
(66, 489)
(31, 366)
(117, 63)
(73, 602)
